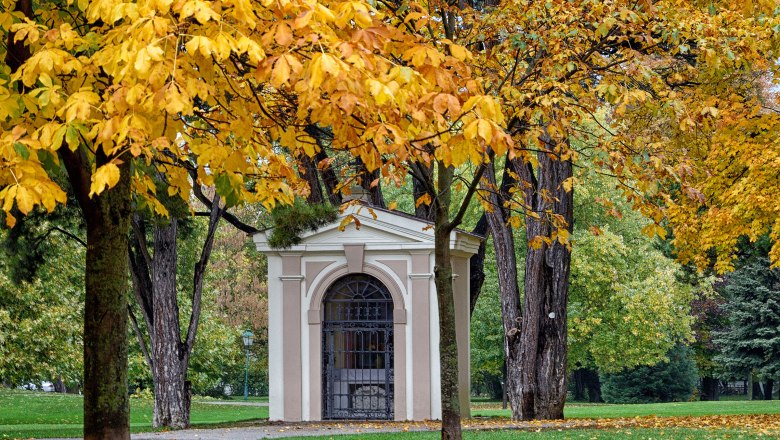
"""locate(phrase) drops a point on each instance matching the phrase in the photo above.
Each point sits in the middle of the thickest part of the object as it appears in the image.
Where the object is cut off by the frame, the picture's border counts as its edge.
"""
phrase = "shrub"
(670, 381)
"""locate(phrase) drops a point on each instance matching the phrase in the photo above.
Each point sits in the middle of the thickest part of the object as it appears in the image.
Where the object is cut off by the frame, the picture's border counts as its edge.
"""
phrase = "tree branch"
(140, 337)
(200, 269)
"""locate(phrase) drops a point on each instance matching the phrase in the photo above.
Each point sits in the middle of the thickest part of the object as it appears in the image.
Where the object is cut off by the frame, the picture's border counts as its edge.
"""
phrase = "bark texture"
(506, 267)
(477, 264)
(169, 369)
(106, 404)
(154, 286)
(448, 346)
(542, 348)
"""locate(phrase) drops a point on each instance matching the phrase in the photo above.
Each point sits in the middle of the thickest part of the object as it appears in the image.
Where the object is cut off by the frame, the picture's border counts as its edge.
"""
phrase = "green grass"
(676, 409)
(572, 434)
(25, 414)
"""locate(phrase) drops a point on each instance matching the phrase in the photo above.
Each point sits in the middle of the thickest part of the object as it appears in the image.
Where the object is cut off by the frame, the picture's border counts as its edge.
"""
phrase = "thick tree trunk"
(768, 389)
(170, 356)
(155, 288)
(59, 385)
(506, 267)
(106, 404)
(542, 350)
(709, 388)
(448, 346)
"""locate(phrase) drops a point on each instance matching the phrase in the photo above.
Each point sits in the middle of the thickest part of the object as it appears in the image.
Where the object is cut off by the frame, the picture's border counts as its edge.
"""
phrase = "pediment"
(368, 234)
(375, 228)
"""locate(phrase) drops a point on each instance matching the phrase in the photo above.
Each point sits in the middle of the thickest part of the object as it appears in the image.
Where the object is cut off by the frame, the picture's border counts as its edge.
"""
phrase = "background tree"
(666, 381)
(750, 342)
(551, 80)
(40, 317)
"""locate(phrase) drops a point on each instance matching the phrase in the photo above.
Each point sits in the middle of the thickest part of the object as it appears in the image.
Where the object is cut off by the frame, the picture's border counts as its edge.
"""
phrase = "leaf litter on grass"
(761, 424)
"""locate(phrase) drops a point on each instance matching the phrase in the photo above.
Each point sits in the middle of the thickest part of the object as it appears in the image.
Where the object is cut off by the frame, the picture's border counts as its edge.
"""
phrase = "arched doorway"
(357, 344)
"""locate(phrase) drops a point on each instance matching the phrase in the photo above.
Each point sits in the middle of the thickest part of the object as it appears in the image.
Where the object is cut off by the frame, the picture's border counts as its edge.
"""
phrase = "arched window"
(357, 343)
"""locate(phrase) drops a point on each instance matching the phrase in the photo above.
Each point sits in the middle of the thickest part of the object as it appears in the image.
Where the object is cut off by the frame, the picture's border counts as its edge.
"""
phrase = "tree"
(118, 94)
(566, 64)
(156, 292)
(627, 306)
(750, 342)
(667, 381)
(40, 317)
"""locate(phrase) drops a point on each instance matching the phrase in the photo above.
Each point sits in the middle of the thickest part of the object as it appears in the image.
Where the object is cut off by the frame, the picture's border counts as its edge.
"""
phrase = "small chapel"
(353, 328)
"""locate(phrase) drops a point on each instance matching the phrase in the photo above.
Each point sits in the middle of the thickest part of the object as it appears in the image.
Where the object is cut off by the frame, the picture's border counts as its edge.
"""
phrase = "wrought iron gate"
(357, 344)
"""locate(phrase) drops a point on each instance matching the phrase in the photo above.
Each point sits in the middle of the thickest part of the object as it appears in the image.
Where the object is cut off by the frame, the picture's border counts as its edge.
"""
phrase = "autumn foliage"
(221, 94)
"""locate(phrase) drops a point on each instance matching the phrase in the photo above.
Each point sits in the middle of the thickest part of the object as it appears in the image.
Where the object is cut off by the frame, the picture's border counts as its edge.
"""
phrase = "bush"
(670, 381)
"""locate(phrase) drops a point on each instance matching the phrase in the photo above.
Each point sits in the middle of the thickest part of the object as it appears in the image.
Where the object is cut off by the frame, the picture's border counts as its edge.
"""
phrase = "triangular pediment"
(366, 233)
(376, 228)
(371, 226)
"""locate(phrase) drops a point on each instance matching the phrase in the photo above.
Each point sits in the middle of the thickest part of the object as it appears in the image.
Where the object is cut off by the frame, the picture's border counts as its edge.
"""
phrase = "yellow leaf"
(459, 52)
(104, 177)
(24, 200)
(424, 199)
(485, 130)
(330, 65)
(281, 72)
(568, 183)
(283, 35)
(471, 130)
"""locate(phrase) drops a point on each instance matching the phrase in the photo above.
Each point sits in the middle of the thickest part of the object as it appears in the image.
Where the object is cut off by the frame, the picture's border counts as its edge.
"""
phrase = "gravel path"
(281, 430)
(231, 402)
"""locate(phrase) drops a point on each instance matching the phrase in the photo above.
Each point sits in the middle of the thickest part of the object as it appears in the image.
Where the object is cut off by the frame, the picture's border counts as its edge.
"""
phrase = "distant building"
(353, 320)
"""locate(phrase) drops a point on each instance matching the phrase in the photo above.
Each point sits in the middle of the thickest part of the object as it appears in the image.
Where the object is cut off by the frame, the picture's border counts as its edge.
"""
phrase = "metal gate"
(357, 344)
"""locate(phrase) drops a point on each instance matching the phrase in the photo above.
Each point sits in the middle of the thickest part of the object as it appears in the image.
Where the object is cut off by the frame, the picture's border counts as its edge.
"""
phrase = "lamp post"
(248, 338)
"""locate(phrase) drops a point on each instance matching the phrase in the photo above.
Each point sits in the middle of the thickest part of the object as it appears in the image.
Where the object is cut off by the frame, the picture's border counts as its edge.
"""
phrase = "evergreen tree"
(672, 380)
(751, 341)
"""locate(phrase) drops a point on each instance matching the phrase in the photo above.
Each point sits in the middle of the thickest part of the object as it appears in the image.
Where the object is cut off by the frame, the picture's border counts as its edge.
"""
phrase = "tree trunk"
(448, 346)
(106, 404)
(107, 216)
(506, 267)
(709, 388)
(755, 389)
(155, 288)
(768, 389)
(593, 385)
(59, 385)
(477, 265)
(542, 350)
(579, 385)
(170, 358)
(311, 175)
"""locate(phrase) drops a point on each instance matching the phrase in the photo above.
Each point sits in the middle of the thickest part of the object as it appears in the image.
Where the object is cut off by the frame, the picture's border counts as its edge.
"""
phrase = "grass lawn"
(25, 414)
(676, 409)
(574, 434)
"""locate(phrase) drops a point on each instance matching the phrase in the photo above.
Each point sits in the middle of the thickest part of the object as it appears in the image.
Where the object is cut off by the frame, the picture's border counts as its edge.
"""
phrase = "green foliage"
(751, 340)
(626, 305)
(487, 336)
(290, 221)
(40, 319)
(668, 381)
